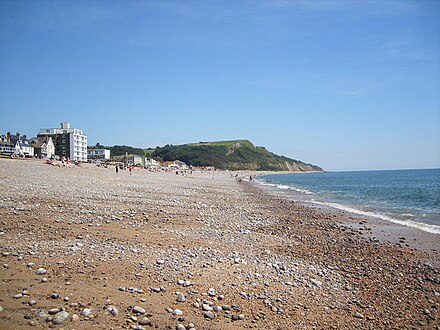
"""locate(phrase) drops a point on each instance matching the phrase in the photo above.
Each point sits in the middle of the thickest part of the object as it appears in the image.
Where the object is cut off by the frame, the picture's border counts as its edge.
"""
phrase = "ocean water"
(406, 197)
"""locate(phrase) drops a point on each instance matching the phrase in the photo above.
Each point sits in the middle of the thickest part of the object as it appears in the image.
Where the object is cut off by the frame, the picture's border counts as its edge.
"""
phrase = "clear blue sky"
(343, 84)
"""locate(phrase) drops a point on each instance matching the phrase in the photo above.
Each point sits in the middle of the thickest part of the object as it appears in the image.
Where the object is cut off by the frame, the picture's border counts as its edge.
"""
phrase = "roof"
(23, 143)
(37, 144)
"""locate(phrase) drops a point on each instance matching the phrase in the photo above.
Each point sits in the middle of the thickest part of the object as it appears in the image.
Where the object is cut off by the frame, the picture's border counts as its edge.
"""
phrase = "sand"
(86, 248)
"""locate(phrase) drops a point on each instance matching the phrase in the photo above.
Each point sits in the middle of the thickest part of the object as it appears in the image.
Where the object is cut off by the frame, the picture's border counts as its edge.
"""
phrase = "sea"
(406, 197)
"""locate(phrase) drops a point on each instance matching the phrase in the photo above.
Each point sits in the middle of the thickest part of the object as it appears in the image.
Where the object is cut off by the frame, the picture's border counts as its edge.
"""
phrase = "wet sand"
(84, 247)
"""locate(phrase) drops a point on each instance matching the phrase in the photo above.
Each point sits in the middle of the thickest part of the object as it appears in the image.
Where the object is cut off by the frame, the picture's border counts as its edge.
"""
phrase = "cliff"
(231, 155)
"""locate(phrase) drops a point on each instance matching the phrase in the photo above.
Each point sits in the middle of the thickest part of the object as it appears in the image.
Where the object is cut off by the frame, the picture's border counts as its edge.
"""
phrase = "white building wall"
(77, 140)
(72, 147)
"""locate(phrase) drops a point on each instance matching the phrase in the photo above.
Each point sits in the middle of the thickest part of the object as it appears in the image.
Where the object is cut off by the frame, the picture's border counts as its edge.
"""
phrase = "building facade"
(151, 163)
(21, 145)
(175, 165)
(6, 147)
(98, 154)
(133, 160)
(69, 142)
(43, 147)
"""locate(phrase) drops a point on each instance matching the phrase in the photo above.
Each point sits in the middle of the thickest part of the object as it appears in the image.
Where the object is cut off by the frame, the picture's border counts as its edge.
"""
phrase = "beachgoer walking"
(117, 169)
(129, 169)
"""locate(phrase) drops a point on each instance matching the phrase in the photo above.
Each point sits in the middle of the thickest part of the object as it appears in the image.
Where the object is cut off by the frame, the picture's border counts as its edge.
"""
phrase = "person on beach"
(129, 169)
(117, 169)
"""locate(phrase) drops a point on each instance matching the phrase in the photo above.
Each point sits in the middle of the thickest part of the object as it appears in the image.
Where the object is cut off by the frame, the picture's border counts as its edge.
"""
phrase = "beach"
(84, 247)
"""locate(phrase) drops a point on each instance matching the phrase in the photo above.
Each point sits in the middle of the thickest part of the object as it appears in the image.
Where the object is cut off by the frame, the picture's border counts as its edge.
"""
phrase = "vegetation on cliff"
(231, 155)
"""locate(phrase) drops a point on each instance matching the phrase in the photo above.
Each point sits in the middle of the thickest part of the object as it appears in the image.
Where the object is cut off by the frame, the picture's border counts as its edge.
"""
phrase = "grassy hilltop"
(227, 155)
(231, 155)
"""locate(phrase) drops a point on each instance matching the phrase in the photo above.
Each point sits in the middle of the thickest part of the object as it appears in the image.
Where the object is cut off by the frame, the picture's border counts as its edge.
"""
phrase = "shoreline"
(155, 250)
(373, 226)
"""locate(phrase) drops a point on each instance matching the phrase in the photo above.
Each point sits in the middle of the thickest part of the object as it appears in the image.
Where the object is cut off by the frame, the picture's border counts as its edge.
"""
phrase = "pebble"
(54, 295)
(86, 311)
(145, 321)
(359, 315)
(138, 310)
(317, 283)
(180, 297)
(75, 317)
(40, 271)
(177, 312)
(180, 327)
(208, 315)
(207, 308)
(60, 317)
(53, 311)
(31, 302)
(113, 310)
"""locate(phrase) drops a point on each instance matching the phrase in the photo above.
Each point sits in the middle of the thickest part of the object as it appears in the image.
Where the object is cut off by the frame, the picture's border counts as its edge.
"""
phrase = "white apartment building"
(98, 153)
(69, 142)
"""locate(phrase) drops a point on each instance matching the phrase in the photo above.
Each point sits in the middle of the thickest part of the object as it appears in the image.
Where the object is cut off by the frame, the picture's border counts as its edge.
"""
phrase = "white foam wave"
(285, 187)
(302, 191)
(409, 223)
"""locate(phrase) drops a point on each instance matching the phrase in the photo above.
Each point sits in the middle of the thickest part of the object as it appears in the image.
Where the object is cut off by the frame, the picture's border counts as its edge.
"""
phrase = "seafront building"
(151, 164)
(130, 159)
(175, 165)
(43, 147)
(98, 153)
(69, 142)
(6, 147)
(15, 145)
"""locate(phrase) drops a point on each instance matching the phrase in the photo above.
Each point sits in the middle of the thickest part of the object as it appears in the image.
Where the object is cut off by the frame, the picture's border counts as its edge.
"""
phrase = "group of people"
(129, 168)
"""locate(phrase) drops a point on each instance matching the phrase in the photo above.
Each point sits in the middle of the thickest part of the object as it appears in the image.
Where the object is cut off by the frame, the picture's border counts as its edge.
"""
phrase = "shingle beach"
(84, 247)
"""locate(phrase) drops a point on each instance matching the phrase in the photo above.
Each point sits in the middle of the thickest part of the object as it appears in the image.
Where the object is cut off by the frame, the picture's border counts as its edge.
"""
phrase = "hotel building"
(69, 142)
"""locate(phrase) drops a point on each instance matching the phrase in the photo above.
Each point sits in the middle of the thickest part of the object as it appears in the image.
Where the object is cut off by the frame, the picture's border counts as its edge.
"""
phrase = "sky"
(346, 85)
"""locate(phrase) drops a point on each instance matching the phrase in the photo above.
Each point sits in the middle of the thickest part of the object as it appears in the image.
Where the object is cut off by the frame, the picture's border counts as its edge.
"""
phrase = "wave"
(433, 229)
(285, 187)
